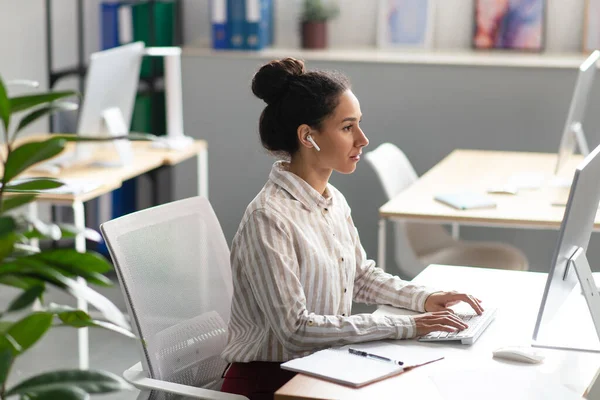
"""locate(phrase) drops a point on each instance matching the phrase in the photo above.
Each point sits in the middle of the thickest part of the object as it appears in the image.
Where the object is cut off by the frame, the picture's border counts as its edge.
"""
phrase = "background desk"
(479, 170)
(145, 159)
(517, 294)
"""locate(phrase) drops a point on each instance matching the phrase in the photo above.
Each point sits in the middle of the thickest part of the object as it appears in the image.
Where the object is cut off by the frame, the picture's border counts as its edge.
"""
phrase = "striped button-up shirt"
(297, 264)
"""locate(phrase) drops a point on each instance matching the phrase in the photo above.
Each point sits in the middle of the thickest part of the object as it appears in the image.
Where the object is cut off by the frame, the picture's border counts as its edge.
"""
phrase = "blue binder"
(218, 22)
(236, 21)
(109, 23)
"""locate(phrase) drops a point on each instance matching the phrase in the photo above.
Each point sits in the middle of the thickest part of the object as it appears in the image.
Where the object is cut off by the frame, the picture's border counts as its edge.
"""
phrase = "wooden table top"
(478, 171)
(145, 158)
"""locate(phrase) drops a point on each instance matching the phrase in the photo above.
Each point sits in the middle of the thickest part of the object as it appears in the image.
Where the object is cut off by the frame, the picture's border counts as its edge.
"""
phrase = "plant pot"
(314, 34)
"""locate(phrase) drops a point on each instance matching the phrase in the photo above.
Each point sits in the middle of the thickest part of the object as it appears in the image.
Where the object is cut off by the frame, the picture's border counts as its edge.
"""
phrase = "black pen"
(375, 356)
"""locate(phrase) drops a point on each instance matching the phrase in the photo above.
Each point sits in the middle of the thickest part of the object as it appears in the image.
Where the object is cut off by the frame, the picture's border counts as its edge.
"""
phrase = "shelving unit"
(459, 57)
(149, 84)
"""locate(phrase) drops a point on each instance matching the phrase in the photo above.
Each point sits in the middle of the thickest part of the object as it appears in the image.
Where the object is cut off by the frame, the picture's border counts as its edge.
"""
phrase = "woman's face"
(340, 138)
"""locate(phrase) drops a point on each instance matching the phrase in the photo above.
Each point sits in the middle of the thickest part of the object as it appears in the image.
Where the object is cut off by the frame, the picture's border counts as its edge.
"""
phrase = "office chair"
(172, 263)
(418, 245)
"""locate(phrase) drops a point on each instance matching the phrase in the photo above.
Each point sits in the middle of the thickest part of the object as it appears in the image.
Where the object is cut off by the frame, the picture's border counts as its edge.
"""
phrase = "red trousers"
(256, 380)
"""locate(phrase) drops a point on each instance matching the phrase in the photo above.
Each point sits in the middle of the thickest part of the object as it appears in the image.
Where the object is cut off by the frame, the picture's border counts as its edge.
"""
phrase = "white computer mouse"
(522, 354)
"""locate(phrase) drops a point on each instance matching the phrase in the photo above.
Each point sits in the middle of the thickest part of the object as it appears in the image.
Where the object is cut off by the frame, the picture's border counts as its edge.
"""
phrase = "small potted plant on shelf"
(315, 14)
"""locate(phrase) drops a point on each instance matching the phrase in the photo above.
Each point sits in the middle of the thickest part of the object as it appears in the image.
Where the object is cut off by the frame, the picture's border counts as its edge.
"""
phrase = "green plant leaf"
(31, 153)
(88, 261)
(19, 282)
(7, 246)
(70, 268)
(22, 103)
(79, 319)
(5, 110)
(34, 184)
(65, 393)
(33, 270)
(4, 325)
(7, 225)
(26, 298)
(10, 202)
(6, 360)
(27, 331)
(90, 381)
(40, 112)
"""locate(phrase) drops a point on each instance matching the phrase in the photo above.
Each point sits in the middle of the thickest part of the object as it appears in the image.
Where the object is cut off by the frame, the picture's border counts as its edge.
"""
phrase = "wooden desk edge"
(446, 219)
(176, 156)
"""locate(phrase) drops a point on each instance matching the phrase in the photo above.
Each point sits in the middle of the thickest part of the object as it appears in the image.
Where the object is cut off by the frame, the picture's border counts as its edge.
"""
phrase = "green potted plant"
(31, 270)
(314, 17)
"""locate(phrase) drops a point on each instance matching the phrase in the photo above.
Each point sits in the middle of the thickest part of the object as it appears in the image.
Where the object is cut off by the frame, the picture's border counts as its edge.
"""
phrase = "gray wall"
(427, 110)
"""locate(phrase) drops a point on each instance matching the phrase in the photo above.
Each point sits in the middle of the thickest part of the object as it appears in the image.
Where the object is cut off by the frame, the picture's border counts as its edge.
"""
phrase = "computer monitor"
(573, 134)
(570, 266)
(109, 97)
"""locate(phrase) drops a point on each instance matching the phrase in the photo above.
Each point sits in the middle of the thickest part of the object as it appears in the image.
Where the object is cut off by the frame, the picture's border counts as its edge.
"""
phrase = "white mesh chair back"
(396, 173)
(172, 262)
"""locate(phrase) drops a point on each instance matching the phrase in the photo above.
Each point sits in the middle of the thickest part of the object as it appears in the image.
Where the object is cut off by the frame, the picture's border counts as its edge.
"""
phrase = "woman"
(297, 259)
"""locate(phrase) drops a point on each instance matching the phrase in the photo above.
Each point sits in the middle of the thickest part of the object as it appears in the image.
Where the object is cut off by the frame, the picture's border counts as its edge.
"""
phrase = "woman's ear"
(305, 138)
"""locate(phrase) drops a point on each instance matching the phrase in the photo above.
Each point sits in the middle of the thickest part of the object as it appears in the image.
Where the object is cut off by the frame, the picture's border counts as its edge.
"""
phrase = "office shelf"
(458, 57)
(151, 83)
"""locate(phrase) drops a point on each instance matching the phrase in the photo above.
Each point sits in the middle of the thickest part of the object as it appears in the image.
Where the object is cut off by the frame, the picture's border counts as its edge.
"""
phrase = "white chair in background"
(172, 263)
(417, 244)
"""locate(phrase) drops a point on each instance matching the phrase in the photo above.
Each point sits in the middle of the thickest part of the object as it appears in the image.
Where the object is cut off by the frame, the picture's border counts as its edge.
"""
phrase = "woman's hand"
(440, 301)
(438, 321)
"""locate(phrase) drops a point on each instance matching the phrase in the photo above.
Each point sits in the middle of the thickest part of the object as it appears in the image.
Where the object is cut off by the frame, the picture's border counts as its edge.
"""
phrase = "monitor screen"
(573, 134)
(575, 232)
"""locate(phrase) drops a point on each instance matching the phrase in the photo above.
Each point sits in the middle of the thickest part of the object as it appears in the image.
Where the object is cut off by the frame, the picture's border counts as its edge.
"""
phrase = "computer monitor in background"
(573, 134)
(570, 266)
(109, 97)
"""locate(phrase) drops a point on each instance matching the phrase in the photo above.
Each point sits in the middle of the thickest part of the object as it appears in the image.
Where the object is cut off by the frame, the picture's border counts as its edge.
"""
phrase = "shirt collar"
(298, 187)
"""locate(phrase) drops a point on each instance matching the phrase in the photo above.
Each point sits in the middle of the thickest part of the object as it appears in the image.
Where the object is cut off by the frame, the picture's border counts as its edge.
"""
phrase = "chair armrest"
(137, 377)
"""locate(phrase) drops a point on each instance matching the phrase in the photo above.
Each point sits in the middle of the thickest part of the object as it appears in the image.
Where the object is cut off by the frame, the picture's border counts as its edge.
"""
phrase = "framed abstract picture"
(405, 23)
(591, 26)
(510, 24)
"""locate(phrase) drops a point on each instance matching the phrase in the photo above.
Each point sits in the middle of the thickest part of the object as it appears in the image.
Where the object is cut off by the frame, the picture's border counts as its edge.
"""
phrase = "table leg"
(82, 333)
(455, 230)
(203, 173)
(381, 244)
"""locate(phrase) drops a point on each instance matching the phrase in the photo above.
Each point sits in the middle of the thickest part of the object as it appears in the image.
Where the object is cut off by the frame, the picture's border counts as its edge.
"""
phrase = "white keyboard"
(477, 324)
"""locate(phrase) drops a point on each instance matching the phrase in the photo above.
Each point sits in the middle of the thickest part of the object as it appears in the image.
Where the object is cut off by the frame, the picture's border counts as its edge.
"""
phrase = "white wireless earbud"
(312, 141)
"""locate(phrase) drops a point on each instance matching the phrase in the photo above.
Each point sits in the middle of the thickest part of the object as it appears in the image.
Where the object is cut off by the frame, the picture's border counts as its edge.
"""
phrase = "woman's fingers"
(438, 321)
(471, 300)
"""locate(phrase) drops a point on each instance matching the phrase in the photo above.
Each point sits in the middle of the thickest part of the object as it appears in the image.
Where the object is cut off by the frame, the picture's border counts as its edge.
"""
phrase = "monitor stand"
(578, 261)
(579, 137)
(115, 125)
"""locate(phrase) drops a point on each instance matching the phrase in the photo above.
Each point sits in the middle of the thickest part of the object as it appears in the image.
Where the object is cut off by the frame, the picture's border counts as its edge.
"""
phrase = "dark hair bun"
(272, 80)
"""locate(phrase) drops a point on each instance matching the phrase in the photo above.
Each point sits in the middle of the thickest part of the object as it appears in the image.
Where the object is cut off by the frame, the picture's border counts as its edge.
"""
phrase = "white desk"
(478, 170)
(517, 294)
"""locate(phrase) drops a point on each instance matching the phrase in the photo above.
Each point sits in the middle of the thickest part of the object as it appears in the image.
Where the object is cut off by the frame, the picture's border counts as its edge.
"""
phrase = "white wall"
(22, 27)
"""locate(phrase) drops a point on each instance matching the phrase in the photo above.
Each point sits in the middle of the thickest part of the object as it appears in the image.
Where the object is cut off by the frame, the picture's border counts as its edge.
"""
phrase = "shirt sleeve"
(268, 258)
(372, 285)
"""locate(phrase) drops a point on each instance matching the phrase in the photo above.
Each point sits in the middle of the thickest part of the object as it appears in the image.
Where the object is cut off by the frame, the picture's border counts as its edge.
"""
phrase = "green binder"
(142, 117)
(163, 13)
